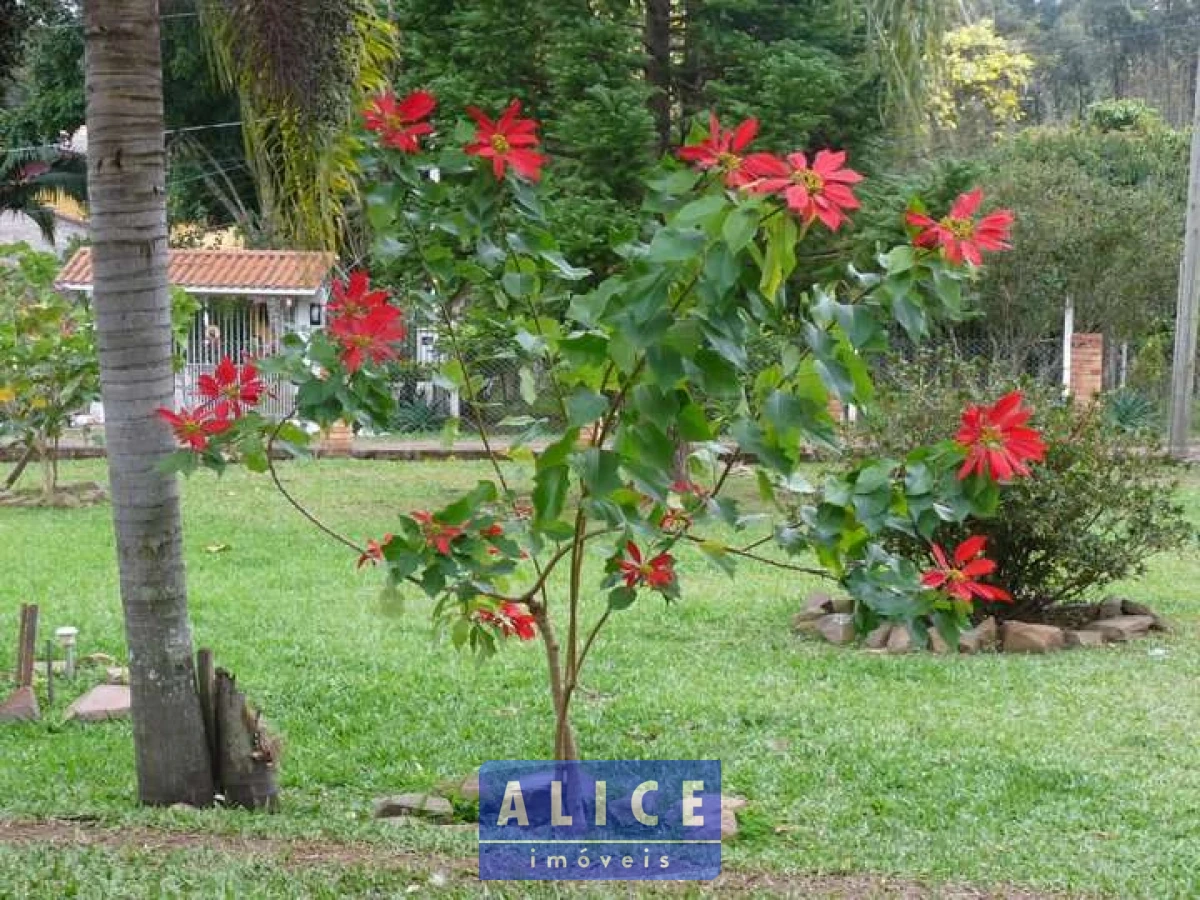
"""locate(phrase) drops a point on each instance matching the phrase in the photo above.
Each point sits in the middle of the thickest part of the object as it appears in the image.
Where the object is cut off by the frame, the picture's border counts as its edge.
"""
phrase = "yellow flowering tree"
(983, 77)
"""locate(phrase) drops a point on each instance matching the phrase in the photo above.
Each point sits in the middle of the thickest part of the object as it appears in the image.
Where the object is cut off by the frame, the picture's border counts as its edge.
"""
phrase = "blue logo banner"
(633, 820)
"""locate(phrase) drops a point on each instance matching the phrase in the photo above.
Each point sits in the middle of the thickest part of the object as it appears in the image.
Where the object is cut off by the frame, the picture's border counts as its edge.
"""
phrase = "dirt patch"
(333, 854)
(65, 496)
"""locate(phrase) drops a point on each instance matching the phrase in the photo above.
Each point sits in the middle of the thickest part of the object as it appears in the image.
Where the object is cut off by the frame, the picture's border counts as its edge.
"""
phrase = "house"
(249, 299)
(70, 226)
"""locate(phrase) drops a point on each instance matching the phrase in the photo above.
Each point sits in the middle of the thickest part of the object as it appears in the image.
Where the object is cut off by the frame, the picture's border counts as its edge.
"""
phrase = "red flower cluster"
(511, 619)
(959, 579)
(399, 123)
(658, 572)
(998, 441)
(959, 235)
(363, 323)
(228, 392)
(374, 551)
(820, 190)
(437, 535)
(193, 427)
(507, 141)
(721, 151)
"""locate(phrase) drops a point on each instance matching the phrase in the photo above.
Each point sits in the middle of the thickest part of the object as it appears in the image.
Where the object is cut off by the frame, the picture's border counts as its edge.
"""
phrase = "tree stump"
(22, 706)
(244, 753)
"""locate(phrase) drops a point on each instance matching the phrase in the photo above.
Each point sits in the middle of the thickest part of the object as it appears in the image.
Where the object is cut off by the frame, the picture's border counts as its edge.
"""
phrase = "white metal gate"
(242, 329)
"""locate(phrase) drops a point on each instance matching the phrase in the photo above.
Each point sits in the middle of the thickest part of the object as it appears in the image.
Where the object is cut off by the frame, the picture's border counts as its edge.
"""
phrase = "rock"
(1133, 608)
(1122, 628)
(982, 637)
(806, 622)
(1084, 638)
(469, 789)
(1029, 637)
(730, 804)
(1111, 607)
(843, 604)
(900, 640)
(428, 806)
(104, 701)
(837, 628)
(819, 603)
(878, 637)
(937, 643)
(116, 675)
(22, 706)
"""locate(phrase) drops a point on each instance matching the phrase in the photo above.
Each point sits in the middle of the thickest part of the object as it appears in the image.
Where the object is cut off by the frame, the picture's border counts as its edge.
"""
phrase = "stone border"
(1117, 621)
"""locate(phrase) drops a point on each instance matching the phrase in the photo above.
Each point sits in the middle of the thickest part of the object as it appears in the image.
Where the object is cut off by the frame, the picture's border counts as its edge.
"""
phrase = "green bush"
(1093, 513)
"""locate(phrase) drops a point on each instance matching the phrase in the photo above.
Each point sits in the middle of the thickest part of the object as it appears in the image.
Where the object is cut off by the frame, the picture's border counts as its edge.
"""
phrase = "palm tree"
(127, 178)
(31, 177)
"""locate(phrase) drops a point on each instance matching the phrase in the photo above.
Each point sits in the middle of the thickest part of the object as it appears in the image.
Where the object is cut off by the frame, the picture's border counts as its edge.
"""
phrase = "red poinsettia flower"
(230, 389)
(658, 572)
(512, 619)
(374, 551)
(959, 579)
(722, 150)
(997, 440)
(959, 235)
(399, 123)
(820, 191)
(194, 427)
(372, 337)
(354, 299)
(437, 534)
(508, 141)
(675, 520)
(494, 530)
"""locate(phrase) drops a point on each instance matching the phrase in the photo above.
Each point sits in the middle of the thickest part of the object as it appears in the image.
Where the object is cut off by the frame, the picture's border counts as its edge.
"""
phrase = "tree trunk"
(658, 67)
(126, 180)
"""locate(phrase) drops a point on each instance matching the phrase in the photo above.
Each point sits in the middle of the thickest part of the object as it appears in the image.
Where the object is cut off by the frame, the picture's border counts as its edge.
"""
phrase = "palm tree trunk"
(126, 161)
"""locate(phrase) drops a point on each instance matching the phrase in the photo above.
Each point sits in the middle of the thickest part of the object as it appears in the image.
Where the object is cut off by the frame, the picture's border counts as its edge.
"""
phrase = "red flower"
(675, 520)
(492, 531)
(685, 486)
(508, 141)
(658, 572)
(721, 150)
(997, 440)
(511, 618)
(374, 552)
(231, 390)
(399, 123)
(959, 235)
(820, 191)
(372, 336)
(959, 580)
(437, 535)
(354, 299)
(193, 427)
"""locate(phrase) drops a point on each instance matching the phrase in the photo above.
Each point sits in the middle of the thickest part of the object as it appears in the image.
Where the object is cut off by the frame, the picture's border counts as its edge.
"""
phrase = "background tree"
(126, 165)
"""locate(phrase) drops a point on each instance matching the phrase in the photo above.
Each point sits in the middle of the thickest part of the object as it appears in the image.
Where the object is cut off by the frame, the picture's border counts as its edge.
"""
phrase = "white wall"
(16, 228)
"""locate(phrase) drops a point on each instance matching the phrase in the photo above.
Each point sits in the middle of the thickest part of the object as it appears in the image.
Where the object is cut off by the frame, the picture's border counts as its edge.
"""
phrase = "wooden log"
(27, 647)
(247, 754)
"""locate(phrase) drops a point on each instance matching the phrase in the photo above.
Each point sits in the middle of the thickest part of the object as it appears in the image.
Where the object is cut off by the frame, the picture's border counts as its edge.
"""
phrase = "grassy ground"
(1074, 772)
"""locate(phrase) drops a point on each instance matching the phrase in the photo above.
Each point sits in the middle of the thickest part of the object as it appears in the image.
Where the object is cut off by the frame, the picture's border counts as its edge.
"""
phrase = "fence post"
(1068, 334)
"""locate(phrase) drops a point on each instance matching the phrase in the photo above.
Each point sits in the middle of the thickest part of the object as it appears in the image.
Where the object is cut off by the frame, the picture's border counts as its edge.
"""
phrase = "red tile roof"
(224, 271)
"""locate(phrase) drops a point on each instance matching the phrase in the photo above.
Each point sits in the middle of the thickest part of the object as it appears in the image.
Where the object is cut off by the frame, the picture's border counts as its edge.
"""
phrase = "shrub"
(1094, 512)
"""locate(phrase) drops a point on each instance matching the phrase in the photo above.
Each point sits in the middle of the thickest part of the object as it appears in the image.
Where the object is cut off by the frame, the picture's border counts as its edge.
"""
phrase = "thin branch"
(296, 504)
(587, 644)
(778, 564)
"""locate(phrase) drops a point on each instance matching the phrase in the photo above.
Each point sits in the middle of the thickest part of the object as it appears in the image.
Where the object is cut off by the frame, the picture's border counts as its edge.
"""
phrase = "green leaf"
(585, 406)
(899, 259)
(550, 493)
(700, 211)
(528, 386)
(564, 269)
(674, 183)
(671, 245)
(910, 315)
(621, 598)
(598, 470)
(740, 227)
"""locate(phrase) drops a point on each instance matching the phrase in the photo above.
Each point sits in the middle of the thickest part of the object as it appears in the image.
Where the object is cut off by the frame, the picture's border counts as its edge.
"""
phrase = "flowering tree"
(646, 354)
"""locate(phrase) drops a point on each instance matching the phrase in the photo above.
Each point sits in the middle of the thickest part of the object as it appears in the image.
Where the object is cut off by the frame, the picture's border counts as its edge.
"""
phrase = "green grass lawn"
(1077, 772)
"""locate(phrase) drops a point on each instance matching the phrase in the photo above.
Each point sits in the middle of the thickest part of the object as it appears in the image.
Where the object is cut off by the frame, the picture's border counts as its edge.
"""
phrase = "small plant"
(1131, 412)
